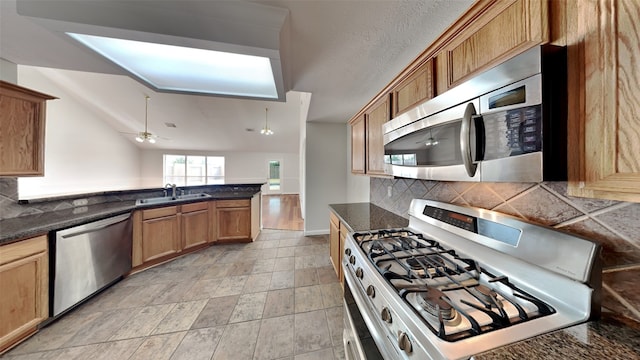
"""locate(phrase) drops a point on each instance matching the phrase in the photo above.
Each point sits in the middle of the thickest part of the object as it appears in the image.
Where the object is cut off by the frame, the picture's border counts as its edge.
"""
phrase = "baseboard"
(316, 232)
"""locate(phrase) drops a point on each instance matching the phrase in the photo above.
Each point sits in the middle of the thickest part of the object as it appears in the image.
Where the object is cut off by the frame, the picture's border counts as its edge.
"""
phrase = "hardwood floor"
(282, 212)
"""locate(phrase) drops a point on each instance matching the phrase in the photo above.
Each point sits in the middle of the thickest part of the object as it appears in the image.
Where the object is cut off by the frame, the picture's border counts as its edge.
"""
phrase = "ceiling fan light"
(139, 138)
(266, 130)
(151, 140)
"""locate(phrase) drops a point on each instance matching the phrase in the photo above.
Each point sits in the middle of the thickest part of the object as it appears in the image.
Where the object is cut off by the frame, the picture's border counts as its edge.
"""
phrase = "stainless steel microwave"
(507, 124)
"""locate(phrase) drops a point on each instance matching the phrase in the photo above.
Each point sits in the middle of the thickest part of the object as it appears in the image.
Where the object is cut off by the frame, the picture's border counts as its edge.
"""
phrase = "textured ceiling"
(342, 52)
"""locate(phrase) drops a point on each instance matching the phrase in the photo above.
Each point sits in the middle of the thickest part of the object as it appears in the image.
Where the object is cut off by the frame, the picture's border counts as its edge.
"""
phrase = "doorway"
(274, 181)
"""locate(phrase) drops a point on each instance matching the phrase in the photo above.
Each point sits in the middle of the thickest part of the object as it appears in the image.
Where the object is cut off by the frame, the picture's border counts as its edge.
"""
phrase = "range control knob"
(359, 272)
(352, 260)
(404, 343)
(386, 314)
(371, 291)
(347, 251)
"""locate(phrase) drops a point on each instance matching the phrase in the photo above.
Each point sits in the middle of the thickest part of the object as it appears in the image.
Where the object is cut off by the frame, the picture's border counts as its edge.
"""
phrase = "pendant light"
(266, 130)
(145, 135)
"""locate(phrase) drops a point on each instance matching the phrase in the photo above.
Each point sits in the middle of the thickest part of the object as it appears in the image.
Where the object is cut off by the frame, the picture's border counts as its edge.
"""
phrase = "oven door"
(359, 326)
(444, 146)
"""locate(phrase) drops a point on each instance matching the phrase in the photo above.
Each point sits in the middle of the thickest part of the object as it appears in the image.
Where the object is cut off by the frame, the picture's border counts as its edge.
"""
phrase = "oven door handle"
(465, 140)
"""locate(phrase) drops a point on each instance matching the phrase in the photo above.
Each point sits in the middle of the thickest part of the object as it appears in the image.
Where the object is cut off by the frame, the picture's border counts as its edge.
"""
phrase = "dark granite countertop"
(367, 216)
(33, 225)
(611, 337)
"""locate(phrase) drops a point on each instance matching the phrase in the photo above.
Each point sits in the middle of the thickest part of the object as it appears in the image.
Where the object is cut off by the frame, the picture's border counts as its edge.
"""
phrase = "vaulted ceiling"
(342, 52)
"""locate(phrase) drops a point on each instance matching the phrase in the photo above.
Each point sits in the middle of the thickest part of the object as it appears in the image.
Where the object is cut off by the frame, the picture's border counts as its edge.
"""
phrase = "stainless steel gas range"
(459, 281)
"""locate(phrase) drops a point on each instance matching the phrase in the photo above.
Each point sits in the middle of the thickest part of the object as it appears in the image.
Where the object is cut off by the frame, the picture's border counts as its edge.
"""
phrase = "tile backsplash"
(614, 224)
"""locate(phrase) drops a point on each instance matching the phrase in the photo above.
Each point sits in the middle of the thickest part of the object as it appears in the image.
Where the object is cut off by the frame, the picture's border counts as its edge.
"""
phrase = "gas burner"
(486, 294)
(376, 248)
(433, 302)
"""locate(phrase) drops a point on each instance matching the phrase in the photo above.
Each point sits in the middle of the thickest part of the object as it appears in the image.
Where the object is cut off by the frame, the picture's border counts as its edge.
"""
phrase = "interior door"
(274, 177)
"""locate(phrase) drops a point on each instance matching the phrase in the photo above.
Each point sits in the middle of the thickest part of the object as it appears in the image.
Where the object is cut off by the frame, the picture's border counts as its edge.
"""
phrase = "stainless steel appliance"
(506, 124)
(87, 258)
(459, 281)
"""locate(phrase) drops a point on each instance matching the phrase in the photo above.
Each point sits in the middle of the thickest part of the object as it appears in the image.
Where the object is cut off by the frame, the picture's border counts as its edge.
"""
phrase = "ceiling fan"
(146, 135)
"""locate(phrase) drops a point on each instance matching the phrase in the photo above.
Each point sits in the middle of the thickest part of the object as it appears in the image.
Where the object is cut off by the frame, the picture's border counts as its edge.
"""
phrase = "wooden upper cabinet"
(499, 31)
(22, 125)
(604, 83)
(375, 117)
(418, 87)
(358, 150)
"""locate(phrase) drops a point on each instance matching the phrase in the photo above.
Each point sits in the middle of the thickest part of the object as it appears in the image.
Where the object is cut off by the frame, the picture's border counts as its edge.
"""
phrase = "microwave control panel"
(513, 132)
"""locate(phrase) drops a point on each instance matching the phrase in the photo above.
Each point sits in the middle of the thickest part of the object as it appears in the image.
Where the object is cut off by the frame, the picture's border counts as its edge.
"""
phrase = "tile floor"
(275, 298)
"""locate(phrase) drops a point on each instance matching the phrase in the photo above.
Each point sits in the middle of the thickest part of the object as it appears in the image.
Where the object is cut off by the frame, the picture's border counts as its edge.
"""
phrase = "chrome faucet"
(173, 189)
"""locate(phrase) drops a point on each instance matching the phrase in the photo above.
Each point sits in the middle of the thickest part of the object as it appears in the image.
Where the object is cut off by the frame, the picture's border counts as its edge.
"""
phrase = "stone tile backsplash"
(614, 224)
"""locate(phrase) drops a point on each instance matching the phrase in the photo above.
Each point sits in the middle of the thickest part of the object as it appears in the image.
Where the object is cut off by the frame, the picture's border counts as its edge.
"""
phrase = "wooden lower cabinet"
(160, 233)
(337, 235)
(234, 219)
(195, 224)
(24, 280)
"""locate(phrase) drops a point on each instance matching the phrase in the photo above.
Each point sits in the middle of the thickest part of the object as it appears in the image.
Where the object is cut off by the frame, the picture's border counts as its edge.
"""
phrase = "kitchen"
(554, 206)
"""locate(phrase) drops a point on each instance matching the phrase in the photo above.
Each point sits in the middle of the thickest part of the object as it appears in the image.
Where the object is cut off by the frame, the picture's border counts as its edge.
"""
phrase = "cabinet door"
(604, 81)
(417, 88)
(375, 118)
(160, 237)
(22, 125)
(195, 228)
(24, 280)
(503, 30)
(334, 243)
(234, 223)
(343, 236)
(357, 145)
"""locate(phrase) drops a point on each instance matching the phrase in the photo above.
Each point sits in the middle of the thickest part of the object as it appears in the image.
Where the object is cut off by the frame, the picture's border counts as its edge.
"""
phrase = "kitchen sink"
(166, 199)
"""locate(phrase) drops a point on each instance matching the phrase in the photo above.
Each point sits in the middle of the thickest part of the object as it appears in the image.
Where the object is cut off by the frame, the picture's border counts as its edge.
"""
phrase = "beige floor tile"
(324, 354)
(202, 289)
(306, 277)
(215, 271)
(121, 349)
(285, 252)
(338, 352)
(181, 317)
(257, 283)
(335, 323)
(284, 263)
(173, 293)
(278, 303)
(249, 307)
(198, 344)
(331, 294)
(270, 253)
(326, 275)
(263, 266)
(311, 332)
(305, 262)
(281, 280)
(72, 353)
(241, 268)
(238, 341)
(275, 339)
(308, 298)
(231, 285)
(102, 327)
(158, 347)
(216, 312)
(142, 323)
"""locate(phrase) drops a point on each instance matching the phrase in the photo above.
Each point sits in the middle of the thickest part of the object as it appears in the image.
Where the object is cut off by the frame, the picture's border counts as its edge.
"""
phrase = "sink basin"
(166, 199)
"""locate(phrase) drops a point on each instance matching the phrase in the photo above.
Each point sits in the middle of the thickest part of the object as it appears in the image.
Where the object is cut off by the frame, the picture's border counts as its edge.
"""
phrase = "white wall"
(8, 71)
(240, 167)
(82, 153)
(357, 185)
(325, 181)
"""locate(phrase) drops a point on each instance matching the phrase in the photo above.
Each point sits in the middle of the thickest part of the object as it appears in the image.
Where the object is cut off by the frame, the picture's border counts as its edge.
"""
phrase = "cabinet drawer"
(204, 205)
(22, 249)
(233, 203)
(334, 219)
(159, 212)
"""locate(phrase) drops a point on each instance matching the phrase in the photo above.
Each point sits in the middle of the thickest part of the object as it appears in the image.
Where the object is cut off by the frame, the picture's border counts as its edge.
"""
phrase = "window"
(187, 170)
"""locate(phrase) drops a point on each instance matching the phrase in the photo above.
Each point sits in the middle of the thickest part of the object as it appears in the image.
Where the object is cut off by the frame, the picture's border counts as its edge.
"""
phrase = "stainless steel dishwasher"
(88, 258)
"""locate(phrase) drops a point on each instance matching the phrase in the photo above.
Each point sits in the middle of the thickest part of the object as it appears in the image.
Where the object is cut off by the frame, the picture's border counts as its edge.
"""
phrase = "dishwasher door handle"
(99, 225)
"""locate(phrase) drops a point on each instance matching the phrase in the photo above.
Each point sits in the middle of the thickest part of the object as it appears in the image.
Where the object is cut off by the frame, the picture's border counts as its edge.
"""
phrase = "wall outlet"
(80, 202)
(389, 190)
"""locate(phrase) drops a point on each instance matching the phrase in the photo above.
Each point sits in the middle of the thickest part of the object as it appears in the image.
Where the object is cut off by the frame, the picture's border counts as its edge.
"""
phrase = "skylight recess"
(183, 69)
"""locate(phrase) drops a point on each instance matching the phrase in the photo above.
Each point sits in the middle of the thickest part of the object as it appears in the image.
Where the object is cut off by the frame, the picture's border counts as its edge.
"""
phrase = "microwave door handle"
(465, 140)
